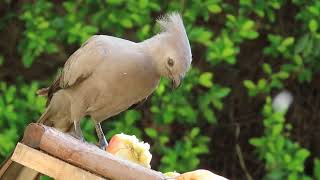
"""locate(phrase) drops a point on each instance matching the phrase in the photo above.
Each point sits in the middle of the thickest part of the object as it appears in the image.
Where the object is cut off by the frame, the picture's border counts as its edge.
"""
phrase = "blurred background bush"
(244, 53)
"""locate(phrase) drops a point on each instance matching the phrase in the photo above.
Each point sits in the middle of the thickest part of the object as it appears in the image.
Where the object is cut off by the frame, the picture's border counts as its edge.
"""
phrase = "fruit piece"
(200, 174)
(130, 148)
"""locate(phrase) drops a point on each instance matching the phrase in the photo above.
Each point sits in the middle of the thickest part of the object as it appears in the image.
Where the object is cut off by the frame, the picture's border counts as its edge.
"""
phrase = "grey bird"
(107, 75)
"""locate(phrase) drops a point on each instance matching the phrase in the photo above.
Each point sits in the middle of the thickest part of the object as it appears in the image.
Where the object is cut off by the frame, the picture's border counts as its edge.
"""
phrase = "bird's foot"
(103, 144)
(79, 137)
(77, 131)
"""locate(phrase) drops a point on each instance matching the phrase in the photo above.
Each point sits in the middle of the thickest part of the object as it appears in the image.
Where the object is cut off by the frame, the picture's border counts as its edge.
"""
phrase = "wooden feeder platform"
(50, 152)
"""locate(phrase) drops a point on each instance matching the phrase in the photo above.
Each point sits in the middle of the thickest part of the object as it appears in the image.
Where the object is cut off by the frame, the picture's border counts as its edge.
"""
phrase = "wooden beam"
(85, 155)
(49, 165)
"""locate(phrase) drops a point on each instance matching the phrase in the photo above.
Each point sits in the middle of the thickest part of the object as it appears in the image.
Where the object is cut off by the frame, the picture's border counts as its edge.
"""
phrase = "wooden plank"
(49, 165)
(27, 174)
(85, 155)
(12, 170)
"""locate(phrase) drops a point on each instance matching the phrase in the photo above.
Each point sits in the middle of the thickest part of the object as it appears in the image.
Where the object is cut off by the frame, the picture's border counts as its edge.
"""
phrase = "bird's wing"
(138, 104)
(82, 63)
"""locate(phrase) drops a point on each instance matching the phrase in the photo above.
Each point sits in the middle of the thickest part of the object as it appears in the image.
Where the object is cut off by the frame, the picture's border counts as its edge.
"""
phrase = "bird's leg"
(77, 130)
(102, 139)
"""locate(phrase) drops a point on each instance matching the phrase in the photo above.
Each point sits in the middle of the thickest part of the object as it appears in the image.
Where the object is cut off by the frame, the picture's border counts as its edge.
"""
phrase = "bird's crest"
(172, 23)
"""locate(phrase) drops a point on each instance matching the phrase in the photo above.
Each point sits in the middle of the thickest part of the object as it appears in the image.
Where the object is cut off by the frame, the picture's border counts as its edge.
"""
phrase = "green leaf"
(231, 59)
(126, 22)
(283, 75)
(293, 176)
(194, 132)
(143, 3)
(252, 34)
(267, 68)
(305, 75)
(246, 2)
(131, 116)
(44, 177)
(262, 83)
(302, 154)
(217, 104)
(288, 41)
(249, 24)
(276, 83)
(68, 6)
(298, 60)
(316, 169)
(258, 142)
(205, 79)
(1, 60)
(222, 92)
(302, 43)
(209, 115)
(249, 84)
(90, 30)
(151, 132)
(313, 25)
(277, 129)
(228, 51)
(214, 8)
(270, 158)
(115, 2)
(201, 35)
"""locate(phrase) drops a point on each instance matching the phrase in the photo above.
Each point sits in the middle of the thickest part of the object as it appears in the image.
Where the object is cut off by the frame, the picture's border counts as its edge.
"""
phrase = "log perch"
(84, 155)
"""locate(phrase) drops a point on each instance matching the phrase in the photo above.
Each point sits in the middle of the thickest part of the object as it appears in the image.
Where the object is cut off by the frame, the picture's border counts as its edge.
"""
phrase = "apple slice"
(130, 148)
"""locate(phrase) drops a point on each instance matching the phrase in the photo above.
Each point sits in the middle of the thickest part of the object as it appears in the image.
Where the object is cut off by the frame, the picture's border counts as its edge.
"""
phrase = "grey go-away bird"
(107, 75)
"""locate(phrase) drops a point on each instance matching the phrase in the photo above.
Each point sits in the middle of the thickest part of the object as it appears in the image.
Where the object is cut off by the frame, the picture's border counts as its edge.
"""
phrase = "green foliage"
(175, 120)
(1, 60)
(45, 178)
(76, 29)
(284, 159)
(184, 155)
(19, 105)
(279, 45)
(74, 26)
(222, 49)
(39, 32)
(316, 169)
(126, 123)
(261, 8)
(242, 28)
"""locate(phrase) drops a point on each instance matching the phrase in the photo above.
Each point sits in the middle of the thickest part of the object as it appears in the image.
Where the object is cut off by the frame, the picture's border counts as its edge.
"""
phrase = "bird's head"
(174, 52)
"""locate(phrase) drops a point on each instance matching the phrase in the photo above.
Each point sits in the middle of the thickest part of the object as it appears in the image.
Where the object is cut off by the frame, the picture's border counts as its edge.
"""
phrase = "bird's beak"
(176, 81)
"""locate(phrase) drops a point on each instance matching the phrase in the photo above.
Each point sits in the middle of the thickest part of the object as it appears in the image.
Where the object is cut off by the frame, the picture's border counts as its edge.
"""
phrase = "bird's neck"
(155, 43)
(155, 47)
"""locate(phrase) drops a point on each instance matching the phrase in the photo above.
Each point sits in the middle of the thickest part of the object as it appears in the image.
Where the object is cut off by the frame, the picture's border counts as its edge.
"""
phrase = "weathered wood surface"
(85, 155)
(46, 164)
(11, 170)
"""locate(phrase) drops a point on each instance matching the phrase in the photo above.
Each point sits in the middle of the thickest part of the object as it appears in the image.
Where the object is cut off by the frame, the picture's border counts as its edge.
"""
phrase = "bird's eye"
(170, 62)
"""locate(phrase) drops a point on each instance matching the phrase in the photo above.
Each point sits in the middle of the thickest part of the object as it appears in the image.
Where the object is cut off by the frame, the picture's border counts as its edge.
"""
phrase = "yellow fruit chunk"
(130, 148)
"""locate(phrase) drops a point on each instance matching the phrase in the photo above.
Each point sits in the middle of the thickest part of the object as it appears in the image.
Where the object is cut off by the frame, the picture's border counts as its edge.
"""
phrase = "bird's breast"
(121, 89)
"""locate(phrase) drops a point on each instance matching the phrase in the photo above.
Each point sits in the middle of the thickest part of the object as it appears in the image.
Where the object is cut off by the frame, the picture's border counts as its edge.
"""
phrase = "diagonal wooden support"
(51, 166)
(59, 155)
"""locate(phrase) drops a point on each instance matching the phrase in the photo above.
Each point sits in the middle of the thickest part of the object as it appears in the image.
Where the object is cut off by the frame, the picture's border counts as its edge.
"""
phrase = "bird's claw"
(79, 137)
(103, 145)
